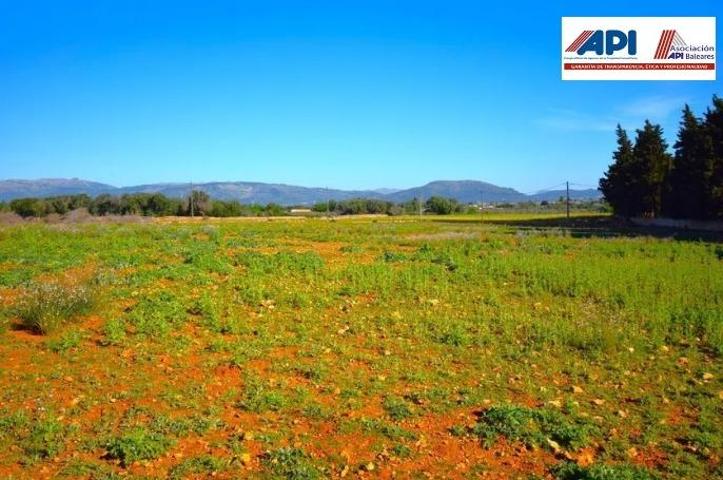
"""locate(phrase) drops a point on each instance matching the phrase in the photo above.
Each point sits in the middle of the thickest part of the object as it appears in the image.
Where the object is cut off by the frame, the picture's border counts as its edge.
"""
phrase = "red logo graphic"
(667, 39)
(579, 41)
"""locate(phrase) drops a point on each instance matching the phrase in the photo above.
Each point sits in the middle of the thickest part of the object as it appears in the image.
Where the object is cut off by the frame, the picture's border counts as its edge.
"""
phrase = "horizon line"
(559, 186)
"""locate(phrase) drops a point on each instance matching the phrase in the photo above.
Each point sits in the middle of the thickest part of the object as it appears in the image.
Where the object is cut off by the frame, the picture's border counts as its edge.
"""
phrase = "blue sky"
(346, 94)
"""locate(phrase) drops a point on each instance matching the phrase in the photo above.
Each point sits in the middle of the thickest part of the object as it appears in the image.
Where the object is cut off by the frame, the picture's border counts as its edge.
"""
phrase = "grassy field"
(376, 347)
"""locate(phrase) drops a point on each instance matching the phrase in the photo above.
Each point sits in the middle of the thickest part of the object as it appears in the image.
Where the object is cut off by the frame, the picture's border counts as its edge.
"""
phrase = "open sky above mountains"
(397, 93)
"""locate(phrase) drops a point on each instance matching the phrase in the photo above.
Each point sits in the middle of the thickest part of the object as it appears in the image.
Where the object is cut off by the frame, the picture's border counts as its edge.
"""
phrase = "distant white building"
(299, 211)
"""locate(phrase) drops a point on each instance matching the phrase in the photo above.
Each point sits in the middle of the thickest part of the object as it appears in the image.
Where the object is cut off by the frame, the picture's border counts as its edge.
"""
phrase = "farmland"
(434, 347)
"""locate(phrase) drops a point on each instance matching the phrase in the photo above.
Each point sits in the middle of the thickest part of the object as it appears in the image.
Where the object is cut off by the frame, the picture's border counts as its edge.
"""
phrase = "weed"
(137, 444)
(572, 471)
(533, 427)
(397, 408)
(453, 334)
(390, 431)
(402, 451)
(392, 257)
(91, 470)
(205, 464)
(67, 341)
(292, 464)
(45, 440)
(114, 332)
(47, 306)
(257, 397)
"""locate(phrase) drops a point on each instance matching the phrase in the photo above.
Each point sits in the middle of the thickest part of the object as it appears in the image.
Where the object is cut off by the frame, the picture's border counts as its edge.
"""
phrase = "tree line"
(356, 206)
(646, 180)
(200, 204)
(145, 204)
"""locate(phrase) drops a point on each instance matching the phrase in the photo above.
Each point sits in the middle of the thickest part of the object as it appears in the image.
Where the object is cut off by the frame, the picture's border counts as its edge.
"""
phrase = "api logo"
(604, 42)
(669, 39)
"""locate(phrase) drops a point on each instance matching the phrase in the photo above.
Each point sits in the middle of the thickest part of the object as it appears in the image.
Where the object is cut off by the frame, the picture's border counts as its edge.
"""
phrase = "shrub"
(292, 464)
(46, 439)
(138, 444)
(47, 306)
(533, 427)
(258, 398)
(396, 408)
(114, 332)
(572, 471)
(67, 341)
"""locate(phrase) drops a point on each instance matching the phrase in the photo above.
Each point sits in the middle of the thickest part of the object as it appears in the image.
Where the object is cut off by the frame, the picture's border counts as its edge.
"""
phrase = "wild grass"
(45, 307)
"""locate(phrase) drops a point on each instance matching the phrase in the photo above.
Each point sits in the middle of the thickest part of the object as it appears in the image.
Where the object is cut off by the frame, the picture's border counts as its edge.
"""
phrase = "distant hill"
(465, 191)
(385, 191)
(50, 187)
(553, 195)
(251, 192)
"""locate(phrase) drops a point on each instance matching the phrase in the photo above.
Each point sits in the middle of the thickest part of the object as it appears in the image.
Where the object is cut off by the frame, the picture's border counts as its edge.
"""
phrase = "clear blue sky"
(347, 94)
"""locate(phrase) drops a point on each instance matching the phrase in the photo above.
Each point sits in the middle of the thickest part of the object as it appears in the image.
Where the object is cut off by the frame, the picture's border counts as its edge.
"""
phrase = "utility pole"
(328, 200)
(191, 199)
(567, 204)
(420, 206)
(481, 205)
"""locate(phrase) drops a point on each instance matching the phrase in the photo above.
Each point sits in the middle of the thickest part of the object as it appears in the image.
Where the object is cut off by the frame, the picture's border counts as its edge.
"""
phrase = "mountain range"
(465, 191)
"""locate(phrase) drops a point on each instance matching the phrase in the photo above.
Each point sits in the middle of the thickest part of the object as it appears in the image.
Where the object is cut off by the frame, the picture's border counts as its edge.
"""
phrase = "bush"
(138, 444)
(397, 408)
(533, 427)
(29, 207)
(47, 306)
(442, 205)
(258, 398)
(68, 341)
(46, 439)
(292, 464)
(572, 471)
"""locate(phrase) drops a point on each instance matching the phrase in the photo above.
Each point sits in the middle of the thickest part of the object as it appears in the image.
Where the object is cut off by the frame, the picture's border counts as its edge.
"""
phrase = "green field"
(434, 347)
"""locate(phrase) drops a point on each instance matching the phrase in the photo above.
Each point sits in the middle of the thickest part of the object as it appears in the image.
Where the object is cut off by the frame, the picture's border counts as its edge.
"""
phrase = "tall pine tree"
(713, 126)
(650, 168)
(686, 194)
(615, 185)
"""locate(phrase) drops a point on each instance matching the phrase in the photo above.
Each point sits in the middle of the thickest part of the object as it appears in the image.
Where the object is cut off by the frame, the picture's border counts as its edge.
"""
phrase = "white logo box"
(690, 40)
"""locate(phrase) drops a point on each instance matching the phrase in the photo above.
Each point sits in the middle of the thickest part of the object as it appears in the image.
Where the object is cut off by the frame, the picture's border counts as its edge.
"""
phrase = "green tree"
(159, 205)
(105, 205)
(687, 194)
(650, 168)
(617, 182)
(199, 203)
(713, 125)
(442, 205)
(29, 207)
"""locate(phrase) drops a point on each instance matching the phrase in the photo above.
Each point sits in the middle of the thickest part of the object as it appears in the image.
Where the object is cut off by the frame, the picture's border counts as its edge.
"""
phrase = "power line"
(548, 189)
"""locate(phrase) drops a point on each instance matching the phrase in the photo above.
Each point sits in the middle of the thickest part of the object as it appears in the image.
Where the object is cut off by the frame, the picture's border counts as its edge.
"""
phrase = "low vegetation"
(509, 346)
(137, 444)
